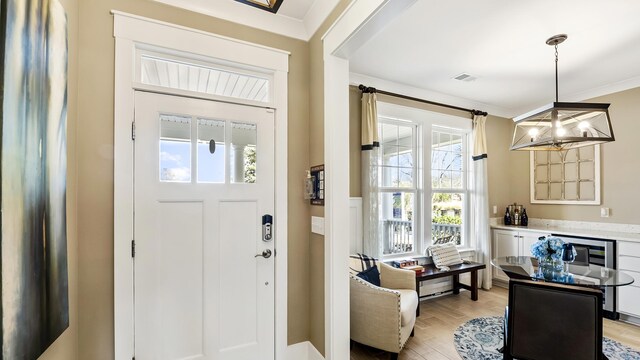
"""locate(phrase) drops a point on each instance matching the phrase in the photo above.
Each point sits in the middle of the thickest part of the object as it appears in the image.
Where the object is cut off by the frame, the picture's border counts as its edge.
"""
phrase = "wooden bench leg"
(474, 285)
(418, 291)
(456, 284)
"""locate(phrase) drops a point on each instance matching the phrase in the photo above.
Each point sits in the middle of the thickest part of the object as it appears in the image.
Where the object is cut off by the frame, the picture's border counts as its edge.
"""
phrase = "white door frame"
(132, 32)
(360, 21)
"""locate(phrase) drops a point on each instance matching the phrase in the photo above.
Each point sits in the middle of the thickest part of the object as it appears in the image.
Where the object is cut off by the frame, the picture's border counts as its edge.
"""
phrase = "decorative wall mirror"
(566, 177)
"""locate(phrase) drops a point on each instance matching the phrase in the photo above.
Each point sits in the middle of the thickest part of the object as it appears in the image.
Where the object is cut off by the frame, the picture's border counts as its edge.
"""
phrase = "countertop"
(598, 234)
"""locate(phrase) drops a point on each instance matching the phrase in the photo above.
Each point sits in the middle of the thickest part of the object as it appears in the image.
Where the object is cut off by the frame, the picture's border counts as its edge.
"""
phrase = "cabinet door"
(526, 240)
(629, 262)
(505, 243)
(628, 300)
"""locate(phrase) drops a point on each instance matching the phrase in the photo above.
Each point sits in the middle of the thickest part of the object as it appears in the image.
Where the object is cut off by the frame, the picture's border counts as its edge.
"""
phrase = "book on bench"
(417, 268)
(403, 264)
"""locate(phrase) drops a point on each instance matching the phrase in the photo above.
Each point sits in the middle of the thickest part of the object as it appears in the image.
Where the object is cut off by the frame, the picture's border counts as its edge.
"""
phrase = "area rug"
(480, 339)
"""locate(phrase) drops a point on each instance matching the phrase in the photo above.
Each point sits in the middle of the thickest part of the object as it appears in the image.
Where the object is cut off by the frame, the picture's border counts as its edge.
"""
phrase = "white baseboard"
(303, 351)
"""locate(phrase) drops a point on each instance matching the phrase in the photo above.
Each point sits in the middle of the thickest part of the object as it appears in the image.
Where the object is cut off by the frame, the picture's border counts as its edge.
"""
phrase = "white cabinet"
(512, 243)
(629, 262)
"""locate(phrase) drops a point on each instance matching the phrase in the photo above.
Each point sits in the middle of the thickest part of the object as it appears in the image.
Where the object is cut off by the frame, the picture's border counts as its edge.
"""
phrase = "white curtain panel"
(372, 228)
(480, 201)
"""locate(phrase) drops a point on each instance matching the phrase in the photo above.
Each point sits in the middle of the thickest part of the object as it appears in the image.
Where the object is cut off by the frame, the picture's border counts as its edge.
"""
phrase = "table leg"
(474, 285)
(418, 291)
(456, 284)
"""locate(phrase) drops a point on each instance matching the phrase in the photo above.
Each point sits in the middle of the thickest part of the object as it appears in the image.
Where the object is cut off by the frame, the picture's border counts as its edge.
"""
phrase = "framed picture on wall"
(33, 179)
(566, 177)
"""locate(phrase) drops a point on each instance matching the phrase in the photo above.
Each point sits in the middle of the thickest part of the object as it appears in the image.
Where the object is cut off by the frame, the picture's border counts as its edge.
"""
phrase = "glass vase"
(550, 268)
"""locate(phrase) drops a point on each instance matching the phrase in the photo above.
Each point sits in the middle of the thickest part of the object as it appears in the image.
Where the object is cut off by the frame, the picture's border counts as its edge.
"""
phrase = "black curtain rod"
(366, 89)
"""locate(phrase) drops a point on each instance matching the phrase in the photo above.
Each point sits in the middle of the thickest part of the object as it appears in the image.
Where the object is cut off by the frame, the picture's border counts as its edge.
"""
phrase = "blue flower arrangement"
(547, 247)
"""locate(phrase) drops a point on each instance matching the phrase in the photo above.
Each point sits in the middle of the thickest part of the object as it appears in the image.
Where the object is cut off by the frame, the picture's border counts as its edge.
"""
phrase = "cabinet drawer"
(628, 300)
(629, 248)
(629, 263)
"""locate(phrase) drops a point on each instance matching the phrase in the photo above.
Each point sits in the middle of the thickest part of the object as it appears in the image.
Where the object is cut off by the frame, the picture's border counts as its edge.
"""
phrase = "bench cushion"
(445, 255)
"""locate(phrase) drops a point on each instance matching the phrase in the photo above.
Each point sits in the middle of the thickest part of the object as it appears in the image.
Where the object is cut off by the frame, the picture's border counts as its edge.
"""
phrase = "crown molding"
(301, 29)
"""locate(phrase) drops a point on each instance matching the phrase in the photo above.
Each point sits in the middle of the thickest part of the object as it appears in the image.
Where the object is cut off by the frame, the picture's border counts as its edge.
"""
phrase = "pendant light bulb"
(584, 125)
(533, 133)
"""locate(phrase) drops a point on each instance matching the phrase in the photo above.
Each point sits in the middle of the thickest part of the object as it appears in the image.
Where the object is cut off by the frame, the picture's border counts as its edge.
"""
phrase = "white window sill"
(392, 257)
(464, 252)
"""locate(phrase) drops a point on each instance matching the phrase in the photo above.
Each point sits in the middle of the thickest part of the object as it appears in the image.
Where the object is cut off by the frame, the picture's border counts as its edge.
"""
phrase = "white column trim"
(130, 32)
(361, 20)
(336, 130)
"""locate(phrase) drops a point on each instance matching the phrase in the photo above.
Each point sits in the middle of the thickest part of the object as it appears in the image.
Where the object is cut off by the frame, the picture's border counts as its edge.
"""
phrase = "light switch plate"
(317, 225)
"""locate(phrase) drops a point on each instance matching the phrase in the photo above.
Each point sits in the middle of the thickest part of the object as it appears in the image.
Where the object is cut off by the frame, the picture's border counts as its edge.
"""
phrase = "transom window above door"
(166, 71)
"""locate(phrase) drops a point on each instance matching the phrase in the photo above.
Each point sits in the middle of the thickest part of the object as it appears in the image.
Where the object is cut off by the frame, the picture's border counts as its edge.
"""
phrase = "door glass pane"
(211, 165)
(243, 152)
(175, 148)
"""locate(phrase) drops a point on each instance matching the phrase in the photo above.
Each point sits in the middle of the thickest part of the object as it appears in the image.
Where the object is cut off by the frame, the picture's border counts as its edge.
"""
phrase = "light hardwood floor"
(440, 317)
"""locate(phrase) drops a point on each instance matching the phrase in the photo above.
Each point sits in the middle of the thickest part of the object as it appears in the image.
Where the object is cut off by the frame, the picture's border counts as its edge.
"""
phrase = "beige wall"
(355, 142)
(498, 131)
(66, 346)
(620, 170)
(316, 156)
(95, 165)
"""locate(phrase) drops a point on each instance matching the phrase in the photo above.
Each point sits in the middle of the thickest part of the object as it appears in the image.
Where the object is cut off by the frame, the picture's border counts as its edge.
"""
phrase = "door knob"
(265, 254)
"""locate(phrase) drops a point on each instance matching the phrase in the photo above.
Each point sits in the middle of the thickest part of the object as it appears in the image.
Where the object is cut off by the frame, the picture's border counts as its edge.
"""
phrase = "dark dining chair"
(547, 321)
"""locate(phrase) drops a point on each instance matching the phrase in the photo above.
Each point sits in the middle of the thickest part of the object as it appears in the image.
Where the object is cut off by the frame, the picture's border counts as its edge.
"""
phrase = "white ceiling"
(298, 19)
(502, 43)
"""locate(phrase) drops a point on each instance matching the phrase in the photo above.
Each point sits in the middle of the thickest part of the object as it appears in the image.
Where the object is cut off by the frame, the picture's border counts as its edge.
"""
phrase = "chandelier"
(562, 125)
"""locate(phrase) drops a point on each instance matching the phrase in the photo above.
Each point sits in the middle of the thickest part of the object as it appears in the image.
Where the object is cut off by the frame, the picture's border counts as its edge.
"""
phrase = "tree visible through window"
(398, 188)
(448, 184)
(250, 164)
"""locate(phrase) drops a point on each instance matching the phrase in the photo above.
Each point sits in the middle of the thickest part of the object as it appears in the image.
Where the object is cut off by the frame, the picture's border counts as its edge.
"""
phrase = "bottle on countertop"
(524, 219)
(507, 217)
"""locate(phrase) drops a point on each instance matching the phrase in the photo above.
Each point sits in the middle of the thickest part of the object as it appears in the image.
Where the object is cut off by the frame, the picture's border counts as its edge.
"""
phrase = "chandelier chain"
(556, 46)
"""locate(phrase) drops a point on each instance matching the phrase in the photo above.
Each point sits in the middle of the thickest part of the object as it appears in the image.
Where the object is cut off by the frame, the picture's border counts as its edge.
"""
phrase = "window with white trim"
(449, 186)
(424, 180)
(398, 185)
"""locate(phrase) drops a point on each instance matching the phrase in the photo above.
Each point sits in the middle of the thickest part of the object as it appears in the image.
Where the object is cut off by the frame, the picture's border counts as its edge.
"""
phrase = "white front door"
(204, 178)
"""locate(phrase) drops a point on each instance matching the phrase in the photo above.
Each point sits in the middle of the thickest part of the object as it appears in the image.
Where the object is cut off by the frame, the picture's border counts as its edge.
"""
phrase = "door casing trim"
(131, 31)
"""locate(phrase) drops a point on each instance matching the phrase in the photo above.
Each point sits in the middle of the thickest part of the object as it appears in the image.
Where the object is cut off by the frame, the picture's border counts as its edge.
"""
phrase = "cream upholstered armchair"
(383, 316)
